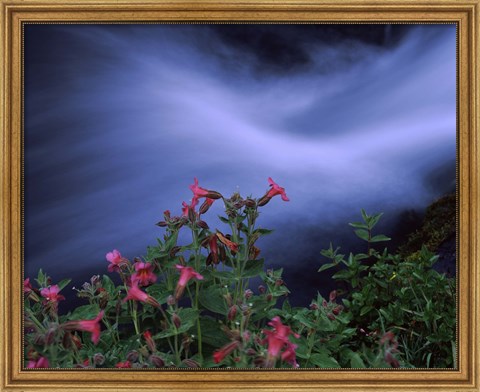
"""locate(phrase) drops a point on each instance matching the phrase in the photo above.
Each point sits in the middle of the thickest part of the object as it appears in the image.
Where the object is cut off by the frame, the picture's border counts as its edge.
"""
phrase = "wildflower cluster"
(193, 305)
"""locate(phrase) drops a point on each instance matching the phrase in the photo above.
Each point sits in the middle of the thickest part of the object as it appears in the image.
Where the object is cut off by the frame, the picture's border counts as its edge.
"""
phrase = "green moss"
(438, 226)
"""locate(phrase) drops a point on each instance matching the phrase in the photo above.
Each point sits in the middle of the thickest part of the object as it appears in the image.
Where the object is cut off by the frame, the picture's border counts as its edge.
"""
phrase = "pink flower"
(198, 192)
(51, 295)
(278, 339)
(41, 362)
(27, 286)
(144, 275)
(116, 260)
(186, 273)
(221, 353)
(135, 294)
(125, 365)
(275, 189)
(92, 326)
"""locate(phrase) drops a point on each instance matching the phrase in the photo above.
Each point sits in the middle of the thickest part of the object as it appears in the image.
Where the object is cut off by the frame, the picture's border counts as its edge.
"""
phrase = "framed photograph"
(257, 195)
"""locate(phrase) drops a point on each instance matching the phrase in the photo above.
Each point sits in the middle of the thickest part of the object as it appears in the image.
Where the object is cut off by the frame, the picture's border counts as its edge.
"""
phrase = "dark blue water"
(119, 119)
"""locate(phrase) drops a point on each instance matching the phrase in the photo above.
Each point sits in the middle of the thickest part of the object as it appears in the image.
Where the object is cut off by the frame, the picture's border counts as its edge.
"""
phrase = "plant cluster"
(193, 304)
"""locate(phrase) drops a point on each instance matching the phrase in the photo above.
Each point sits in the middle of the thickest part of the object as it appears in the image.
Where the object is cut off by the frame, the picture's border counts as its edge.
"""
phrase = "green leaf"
(362, 233)
(212, 333)
(63, 283)
(326, 266)
(356, 361)
(380, 238)
(365, 216)
(84, 312)
(365, 309)
(304, 320)
(358, 225)
(324, 361)
(212, 299)
(108, 284)
(253, 268)
(374, 219)
(263, 231)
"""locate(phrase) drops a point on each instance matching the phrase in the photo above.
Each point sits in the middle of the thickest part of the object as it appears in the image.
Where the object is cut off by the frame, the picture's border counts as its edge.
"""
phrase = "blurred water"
(119, 119)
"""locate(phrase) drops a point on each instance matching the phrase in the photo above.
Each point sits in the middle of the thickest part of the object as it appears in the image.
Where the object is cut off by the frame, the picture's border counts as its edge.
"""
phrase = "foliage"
(191, 305)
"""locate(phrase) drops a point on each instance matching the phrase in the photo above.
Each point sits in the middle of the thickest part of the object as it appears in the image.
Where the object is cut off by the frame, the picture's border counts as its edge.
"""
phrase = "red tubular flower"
(51, 296)
(278, 339)
(27, 286)
(220, 354)
(186, 273)
(134, 293)
(150, 342)
(198, 192)
(290, 356)
(230, 244)
(275, 189)
(213, 255)
(116, 260)
(144, 274)
(41, 362)
(124, 365)
(92, 326)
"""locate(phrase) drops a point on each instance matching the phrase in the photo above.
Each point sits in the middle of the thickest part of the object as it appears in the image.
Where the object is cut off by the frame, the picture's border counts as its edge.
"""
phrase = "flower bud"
(166, 214)
(174, 251)
(202, 224)
(171, 300)
(205, 207)
(214, 195)
(260, 362)
(132, 356)
(264, 200)
(331, 316)
(248, 293)
(261, 289)
(313, 306)
(39, 340)
(336, 311)
(251, 352)
(95, 280)
(161, 224)
(324, 303)
(333, 295)
(246, 336)
(232, 313)
(50, 336)
(176, 320)
(279, 282)
(186, 341)
(250, 203)
(98, 359)
(269, 297)
(191, 363)
(228, 299)
(76, 341)
(192, 215)
(157, 361)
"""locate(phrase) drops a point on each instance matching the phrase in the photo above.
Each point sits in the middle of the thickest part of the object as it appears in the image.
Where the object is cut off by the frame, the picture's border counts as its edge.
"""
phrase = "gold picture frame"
(464, 13)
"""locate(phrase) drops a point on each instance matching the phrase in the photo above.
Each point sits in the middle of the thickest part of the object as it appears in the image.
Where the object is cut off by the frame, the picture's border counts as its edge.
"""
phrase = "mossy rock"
(439, 226)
